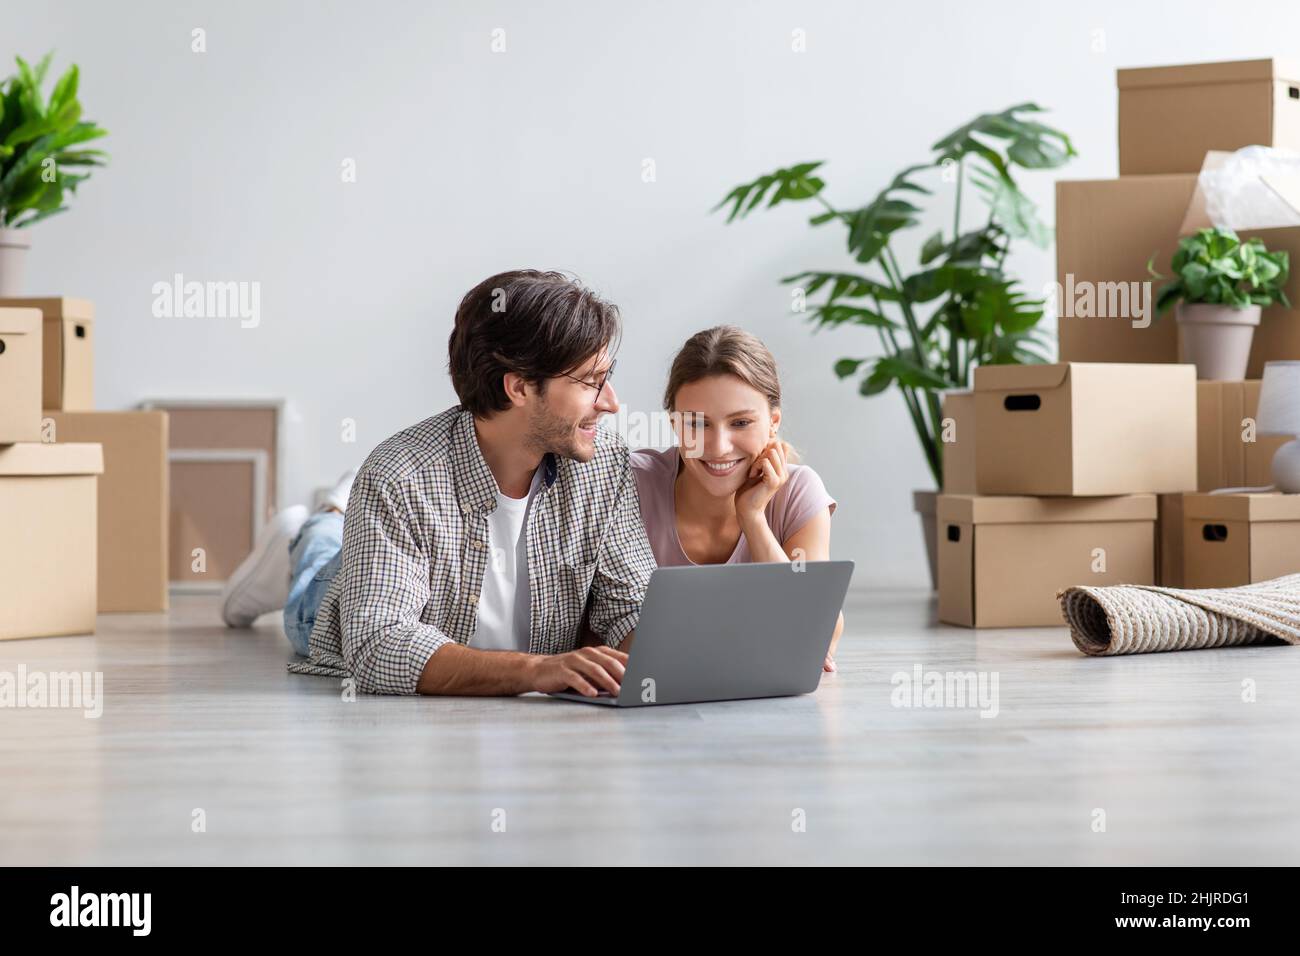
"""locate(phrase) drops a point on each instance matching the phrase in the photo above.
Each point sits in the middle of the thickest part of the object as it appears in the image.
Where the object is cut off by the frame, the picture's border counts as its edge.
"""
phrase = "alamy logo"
(179, 299)
(939, 689)
(1101, 300)
(53, 689)
(657, 429)
(102, 909)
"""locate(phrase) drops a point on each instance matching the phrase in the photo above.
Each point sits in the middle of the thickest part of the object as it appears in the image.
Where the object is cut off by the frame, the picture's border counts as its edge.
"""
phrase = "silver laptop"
(729, 632)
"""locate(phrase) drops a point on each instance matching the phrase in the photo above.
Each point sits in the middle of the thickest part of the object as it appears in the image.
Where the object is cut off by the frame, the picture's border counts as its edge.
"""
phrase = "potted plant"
(1220, 286)
(957, 310)
(40, 153)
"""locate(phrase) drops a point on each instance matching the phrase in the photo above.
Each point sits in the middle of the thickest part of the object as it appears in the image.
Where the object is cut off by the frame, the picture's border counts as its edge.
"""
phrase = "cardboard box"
(47, 550)
(1085, 429)
(1169, 540)
(68, 376)
(133, 503)
(20, 375)
(1106, 232)
(1277, 337)
(1171, 116)
(1230, 540)
(1002, 560)
(959, 453)
(1108, 229)
(1278, 334)
(1225, 458)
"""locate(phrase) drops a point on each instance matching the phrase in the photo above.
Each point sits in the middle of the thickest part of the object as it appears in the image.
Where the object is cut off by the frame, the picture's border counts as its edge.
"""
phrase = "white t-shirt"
(504, 605)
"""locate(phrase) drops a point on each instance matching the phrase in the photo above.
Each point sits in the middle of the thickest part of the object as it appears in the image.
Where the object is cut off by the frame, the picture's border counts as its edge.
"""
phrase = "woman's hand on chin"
(767, 474)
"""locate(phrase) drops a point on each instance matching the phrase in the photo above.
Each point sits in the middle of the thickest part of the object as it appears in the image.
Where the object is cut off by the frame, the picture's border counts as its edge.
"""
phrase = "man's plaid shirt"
(415, 551)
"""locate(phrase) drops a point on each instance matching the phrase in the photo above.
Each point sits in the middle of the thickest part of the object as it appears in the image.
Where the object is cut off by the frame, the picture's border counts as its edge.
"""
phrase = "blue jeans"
(314, 557)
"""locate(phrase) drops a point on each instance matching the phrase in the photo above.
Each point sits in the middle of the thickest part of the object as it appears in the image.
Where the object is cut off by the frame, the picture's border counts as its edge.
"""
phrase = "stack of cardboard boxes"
(83, 493)
(1051, 480)
(1119, 416)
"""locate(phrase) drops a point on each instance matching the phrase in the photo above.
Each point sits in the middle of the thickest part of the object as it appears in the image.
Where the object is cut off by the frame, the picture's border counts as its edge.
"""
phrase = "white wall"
(226, 165)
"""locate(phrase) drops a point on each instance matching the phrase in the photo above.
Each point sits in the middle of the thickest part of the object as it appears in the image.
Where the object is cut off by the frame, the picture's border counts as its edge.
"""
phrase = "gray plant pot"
(925, 503)
(1216, 339)
(14, 244)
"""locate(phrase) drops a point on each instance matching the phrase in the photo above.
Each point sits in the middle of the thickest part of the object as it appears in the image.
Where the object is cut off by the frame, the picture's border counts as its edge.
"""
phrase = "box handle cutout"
(1022, 403)
(2, 346)
(1293, 92)
(954, 533)
(81, 331)
(1214, 532)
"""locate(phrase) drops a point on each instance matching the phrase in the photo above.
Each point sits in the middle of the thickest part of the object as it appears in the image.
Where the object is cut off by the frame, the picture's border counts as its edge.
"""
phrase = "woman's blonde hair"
(726, 350)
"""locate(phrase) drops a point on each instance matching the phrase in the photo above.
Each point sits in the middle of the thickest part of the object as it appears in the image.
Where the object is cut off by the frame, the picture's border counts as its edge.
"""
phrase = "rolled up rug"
(1139, 619)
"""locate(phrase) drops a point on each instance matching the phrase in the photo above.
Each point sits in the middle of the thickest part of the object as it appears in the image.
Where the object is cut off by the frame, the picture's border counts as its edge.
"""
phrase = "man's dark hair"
(535, 324)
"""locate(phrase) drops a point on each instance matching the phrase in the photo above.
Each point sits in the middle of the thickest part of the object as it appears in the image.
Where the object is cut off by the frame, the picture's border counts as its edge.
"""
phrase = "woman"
(730, 492)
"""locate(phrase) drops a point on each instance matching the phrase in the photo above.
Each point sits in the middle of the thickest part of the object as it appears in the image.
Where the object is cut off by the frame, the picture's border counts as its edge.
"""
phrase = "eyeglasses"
(609, 373)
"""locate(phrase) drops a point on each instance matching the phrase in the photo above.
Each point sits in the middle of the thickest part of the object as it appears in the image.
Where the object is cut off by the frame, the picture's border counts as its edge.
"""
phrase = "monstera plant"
(958, 307)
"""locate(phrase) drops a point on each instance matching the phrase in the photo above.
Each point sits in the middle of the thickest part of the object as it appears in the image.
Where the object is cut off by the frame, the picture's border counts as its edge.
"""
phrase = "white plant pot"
(13, 261)
(1216, 339)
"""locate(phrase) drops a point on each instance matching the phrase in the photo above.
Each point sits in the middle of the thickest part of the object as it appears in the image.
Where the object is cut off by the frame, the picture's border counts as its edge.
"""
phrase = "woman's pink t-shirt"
(801, 497)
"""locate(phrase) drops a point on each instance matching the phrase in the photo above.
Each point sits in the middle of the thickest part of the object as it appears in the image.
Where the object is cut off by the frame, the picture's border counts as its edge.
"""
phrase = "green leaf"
(1011, 209)
(80, 133)
(1037, 153)
(1033, 145)
(846, 367)
(846, 285)
(832, 314)
(903, 180)
(1001, 306)
(932, 248)
(790, 184)
(909, 373)
(54, 122)
(970, 248)
(875, 383)
(29, 90)
(1151, 267)
(65, 91)
(27, 190)
(1015, 348)
(42, 68)
(1225, 266)
(32, 220)
(929, 284)
(873, 224)
(84, 157)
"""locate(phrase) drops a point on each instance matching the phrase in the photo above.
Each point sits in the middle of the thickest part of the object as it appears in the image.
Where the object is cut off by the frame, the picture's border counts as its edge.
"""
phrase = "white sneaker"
(337, 496)
(261, 582)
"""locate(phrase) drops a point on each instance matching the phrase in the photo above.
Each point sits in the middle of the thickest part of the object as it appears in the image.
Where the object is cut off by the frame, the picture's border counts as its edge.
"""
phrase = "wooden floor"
(200, 718)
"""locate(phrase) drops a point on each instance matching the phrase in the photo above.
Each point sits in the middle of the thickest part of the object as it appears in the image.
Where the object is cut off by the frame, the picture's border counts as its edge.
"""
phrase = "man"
(474, 541)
